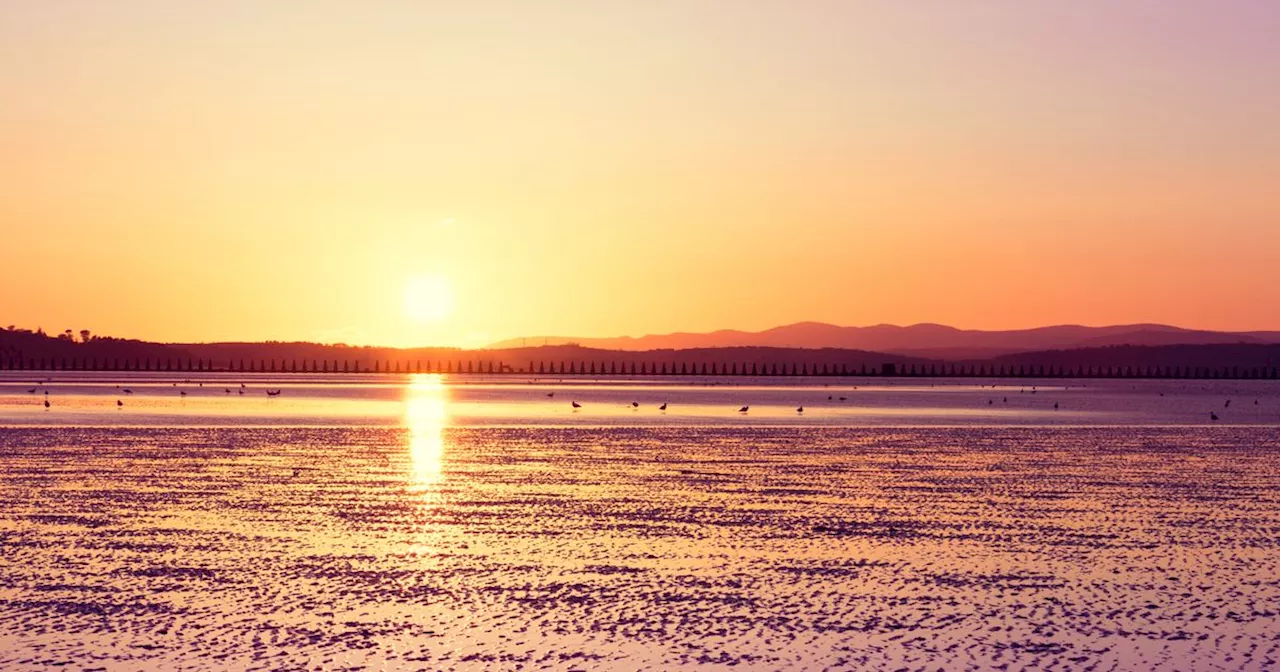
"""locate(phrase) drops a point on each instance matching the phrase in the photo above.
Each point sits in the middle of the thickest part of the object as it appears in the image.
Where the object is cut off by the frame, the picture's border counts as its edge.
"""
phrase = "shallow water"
(416, 527)
(159, 399)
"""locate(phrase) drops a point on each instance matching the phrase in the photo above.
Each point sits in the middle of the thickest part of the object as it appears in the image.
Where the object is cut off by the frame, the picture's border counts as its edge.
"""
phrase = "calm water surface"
(429, 522)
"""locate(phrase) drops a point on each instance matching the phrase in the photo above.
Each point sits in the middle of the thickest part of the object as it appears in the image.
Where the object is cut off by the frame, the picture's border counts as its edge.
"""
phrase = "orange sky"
(246, 170)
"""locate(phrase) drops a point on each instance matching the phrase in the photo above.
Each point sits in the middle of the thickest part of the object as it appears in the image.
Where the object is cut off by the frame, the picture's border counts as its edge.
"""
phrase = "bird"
(575, 404)
(844, 399)
(273, 394)
(46, 403)
(1005, 400)
(800, 409)
(1213, 416)
(989, 402)
(663, 407)
(551, 394)
(743, 409)
(1055, 405)
(127, 391)
(829, 397)
(227, 390)
(241, 384)
(119, 404)
(31, 391)
(635, 404)
(242, 391)
(1227, 405)
(182, 393)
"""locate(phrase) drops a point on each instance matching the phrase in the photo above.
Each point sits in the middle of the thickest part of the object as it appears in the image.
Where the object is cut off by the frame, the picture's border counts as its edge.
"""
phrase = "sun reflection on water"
(426, 415)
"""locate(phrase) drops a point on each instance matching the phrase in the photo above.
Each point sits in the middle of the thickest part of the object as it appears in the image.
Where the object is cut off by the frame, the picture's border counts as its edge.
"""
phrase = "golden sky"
(276, 170)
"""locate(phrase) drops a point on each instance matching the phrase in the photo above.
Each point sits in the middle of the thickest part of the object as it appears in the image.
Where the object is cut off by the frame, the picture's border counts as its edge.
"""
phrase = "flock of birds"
(127, 391)
(1213, 416)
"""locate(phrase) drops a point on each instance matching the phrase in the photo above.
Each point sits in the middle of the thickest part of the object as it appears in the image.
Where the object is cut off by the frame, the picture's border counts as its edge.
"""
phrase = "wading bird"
(744, 409)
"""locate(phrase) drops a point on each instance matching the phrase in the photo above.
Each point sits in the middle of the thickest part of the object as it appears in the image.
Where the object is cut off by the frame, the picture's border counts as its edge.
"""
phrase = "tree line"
(628, 368)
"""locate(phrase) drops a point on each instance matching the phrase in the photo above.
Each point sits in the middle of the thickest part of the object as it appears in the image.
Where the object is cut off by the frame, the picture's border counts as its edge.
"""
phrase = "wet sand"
(640, 548)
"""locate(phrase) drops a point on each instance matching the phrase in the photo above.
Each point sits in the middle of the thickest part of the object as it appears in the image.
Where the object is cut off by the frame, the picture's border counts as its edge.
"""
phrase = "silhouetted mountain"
(922, 340)
(21, 349)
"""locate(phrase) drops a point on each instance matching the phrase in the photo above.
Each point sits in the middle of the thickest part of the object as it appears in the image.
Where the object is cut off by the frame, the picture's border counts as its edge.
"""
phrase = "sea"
(212, 521)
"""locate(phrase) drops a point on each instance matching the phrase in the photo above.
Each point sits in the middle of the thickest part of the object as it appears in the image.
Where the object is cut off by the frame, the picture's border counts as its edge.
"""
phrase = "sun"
(428, 299)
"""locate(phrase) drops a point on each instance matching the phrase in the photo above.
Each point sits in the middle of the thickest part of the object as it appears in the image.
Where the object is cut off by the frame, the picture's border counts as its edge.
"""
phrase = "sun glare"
(426, 414)
(428, 299)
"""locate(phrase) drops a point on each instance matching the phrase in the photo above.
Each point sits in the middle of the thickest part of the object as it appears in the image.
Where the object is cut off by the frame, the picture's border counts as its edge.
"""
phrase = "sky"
(457, 173)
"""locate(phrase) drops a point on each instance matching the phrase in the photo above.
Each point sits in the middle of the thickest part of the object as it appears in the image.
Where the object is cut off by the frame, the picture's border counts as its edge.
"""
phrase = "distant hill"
(930, 341)
(1231, 355)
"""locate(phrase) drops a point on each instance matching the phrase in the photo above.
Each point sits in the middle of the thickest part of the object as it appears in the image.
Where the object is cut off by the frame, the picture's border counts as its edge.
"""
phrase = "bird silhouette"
(182, 393)
(271, 393)
(46, 402)
(1213, 416)
(227, 390)
(127, 391)
(800, 409)
(635, 404)
(844, 399)
(575, 404)
(1055, 405)
(663, 407)
(31, 391)
(744, 409)
(551, 394)
(119, 404)
(1227, 405)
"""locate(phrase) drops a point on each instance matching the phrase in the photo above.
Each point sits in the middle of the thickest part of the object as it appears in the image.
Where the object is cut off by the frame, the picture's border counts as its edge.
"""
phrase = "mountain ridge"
(924, 339)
